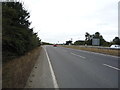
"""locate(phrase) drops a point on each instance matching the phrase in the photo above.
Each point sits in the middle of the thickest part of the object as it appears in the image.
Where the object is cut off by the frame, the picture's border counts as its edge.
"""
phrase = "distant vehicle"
(55, 45)
(115, 46)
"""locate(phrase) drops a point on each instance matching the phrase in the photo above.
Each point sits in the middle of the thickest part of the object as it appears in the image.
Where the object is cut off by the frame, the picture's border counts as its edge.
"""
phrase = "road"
(82, 69)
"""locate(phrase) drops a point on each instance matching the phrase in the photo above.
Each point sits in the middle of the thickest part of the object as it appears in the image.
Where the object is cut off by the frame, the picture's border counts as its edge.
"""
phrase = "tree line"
(17, 37)
(89, 38)
(97, 35)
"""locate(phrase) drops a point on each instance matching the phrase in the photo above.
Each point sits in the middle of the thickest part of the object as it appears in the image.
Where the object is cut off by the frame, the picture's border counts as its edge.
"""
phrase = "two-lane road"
(83, 69)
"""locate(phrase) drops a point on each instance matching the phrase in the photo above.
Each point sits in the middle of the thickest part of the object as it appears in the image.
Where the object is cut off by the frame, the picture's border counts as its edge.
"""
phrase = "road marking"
(111, 66)
(97, 53)
(78, 55)
(52, 72)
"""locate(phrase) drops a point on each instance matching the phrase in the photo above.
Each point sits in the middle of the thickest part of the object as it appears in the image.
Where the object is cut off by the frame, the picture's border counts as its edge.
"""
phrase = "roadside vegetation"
(98, 50)
(20, 45)
(89, 38)
(17, 37)
(84, 44)
(15, 73)
(46, 43)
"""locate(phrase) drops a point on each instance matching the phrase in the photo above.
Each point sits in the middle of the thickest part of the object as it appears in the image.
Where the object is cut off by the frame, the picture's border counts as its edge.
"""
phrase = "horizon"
(68, 19)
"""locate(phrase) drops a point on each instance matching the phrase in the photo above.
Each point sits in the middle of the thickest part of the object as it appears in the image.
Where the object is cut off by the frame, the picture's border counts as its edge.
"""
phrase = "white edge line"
(78, 55)
(52, 72)
(111, 66)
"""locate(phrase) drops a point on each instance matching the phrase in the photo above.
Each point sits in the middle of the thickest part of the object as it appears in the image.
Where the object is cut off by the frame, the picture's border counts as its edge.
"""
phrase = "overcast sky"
(61, 20)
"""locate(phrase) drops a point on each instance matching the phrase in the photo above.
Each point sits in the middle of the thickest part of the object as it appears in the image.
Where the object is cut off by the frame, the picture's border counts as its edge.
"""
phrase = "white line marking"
(78, 55)
(52, 72)
(95, 53)
(111, 66)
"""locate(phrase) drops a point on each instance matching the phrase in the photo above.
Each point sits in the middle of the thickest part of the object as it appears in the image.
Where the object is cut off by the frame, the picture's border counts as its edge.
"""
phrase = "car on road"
(55, 45)
(115, 46)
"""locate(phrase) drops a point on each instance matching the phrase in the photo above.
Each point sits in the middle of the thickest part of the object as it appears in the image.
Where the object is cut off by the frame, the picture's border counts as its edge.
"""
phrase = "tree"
(97, 35)
(116, 40)
(68, 42)
(79, 42)
(17, 37)
(88, 38)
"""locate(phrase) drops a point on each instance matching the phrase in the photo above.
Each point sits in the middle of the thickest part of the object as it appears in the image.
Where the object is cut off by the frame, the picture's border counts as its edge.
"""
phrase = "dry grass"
(16, 72)
(104, 51)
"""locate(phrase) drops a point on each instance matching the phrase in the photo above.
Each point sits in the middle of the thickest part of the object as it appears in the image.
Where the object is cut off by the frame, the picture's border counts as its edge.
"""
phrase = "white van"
(115, 46)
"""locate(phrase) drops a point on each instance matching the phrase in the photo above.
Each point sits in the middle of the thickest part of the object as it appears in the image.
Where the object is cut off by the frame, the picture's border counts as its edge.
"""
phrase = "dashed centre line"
(111, 67)
(78, 55)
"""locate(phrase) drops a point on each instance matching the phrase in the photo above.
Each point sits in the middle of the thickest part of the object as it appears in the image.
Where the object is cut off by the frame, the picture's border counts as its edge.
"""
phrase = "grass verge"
(16, 72)
(104, 51)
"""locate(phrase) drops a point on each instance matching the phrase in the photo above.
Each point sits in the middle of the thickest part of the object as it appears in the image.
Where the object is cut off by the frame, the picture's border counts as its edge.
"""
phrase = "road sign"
(95, 41)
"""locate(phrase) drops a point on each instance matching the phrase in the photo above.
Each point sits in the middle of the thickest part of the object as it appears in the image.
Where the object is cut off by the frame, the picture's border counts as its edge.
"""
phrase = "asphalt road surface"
(82, 69)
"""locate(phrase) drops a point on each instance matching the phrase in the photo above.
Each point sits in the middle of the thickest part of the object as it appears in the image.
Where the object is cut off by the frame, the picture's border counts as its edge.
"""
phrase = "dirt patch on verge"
(16, 72)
